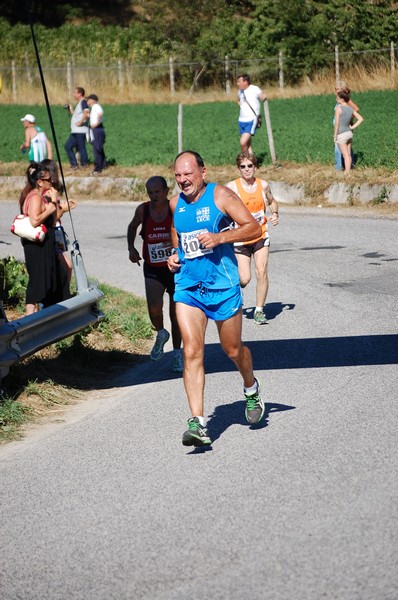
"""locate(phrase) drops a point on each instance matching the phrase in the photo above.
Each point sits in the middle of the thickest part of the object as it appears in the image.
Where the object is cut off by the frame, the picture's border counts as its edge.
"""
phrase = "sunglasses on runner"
(246, 166)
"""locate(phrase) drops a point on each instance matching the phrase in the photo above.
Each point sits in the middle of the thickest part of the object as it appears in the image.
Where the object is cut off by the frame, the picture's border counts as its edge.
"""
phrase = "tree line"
(306, 31)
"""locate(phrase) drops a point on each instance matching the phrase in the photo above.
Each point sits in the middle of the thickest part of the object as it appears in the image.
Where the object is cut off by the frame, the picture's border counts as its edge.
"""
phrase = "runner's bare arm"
(173, 262)
(134, 255)
(230, 203)
(272, 203)
(26, 143)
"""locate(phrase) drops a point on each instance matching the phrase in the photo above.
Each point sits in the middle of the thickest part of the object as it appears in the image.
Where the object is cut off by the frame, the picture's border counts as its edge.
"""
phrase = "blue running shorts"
(218, 305)
(247, 127)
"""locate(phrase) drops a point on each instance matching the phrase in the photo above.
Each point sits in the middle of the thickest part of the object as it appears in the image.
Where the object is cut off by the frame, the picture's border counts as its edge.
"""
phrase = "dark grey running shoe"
(196, 435)
(161, 339)
(254, 407)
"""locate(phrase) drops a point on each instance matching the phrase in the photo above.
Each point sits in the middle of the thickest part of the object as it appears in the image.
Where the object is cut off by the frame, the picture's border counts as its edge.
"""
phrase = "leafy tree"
(306, 31)
(281, 25)
(356, 25)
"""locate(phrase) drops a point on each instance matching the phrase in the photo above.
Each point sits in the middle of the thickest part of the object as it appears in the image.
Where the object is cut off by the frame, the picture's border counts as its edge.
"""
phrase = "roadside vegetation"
(42, 385)
(150, 31)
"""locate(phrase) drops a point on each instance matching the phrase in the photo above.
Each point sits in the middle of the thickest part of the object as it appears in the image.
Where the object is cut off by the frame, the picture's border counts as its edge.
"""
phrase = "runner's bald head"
(199, 160)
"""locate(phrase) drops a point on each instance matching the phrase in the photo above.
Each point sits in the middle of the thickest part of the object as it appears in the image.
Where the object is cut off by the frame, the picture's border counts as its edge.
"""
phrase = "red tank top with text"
(156, 238)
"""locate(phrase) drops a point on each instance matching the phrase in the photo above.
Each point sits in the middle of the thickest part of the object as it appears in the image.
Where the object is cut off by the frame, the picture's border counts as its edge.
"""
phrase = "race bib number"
(191, 245)
(259, 216)
(159, 252)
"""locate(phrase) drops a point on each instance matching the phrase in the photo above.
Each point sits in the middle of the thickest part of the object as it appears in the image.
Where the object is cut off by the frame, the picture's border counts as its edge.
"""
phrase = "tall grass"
(144, 88)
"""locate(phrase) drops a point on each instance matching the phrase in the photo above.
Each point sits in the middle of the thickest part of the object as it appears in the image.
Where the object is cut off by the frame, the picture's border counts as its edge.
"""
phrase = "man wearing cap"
(76, 142)
(36, 140)
(97, 128)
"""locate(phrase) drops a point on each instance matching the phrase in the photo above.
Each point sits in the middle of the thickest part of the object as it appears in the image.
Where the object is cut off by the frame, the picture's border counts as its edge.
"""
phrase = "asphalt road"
(109, 504)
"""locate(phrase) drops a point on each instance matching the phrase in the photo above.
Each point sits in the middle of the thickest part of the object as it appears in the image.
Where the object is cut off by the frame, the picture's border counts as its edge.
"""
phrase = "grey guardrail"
(22, 337)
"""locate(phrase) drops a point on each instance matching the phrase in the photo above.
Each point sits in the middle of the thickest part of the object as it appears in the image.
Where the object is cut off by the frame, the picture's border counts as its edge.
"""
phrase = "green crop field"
(302, 130)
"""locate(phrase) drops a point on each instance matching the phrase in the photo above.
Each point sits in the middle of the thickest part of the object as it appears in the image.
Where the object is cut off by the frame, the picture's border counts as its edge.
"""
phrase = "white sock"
(251, 390)
(259, 308)
(201, 421)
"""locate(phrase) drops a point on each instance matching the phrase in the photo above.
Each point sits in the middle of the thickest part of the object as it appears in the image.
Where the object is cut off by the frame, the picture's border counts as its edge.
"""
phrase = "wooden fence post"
(269, 131)
(336, 63)
(227, 77)
(281, 79)
(28, 70)
(198, 75)
(392, 57)
(119, 75)
(172, 79)
(14, 82)
(73, 63)
(69, 81)
(179, 127)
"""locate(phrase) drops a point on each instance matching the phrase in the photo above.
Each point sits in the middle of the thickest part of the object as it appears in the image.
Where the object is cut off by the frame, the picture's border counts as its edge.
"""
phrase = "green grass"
(302, 129)
(12, 416)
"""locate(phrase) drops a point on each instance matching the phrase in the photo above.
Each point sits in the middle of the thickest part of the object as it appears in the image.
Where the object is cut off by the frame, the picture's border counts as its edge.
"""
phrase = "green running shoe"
(196, 435)
(260, 318)
(254, 407)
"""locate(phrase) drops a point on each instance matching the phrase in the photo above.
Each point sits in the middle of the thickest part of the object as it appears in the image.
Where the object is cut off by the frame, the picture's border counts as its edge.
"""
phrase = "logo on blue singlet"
(203, 214)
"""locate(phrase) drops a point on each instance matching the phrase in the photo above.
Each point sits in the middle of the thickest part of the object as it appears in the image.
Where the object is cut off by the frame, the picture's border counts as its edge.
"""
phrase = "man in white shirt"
(249, 97)
(98, 137)
(77, 139)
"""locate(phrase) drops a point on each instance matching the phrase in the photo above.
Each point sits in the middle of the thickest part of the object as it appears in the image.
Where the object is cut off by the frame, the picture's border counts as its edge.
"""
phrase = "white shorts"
(344, 138)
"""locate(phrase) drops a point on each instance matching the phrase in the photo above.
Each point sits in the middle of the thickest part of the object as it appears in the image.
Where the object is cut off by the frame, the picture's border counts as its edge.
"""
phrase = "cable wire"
(43, 84)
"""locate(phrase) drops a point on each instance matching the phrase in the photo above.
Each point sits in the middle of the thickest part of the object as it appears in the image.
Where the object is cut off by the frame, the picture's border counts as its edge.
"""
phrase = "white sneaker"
(178, 363)
(161, 339)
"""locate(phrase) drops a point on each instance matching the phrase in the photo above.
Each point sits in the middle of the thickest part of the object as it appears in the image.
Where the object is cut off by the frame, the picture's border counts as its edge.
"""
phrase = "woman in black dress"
(48, 281)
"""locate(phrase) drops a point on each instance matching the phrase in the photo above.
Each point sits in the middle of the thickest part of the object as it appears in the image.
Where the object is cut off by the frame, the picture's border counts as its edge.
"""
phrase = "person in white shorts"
(249, 98)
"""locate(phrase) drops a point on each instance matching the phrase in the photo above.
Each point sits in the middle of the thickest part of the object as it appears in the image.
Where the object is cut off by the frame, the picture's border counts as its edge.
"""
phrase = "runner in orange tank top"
(256, 194)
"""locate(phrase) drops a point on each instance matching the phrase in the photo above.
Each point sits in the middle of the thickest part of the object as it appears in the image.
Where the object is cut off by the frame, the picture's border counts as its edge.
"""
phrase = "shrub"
(13, 281)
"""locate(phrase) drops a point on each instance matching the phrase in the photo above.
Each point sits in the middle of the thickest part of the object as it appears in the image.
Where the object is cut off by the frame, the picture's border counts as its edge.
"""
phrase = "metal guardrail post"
(78, 268)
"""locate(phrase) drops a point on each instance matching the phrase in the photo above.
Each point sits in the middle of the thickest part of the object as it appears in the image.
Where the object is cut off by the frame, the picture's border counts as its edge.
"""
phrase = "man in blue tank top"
(207, 283)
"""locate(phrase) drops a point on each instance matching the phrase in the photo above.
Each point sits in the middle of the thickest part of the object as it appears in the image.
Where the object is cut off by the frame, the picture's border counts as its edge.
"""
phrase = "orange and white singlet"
(255, 203)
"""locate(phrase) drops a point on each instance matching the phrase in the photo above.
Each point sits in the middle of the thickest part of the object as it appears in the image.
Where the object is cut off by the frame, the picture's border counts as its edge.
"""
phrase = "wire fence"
(188, 76)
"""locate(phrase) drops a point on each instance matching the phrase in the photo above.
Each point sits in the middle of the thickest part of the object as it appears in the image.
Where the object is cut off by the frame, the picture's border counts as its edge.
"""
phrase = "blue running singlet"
(215, 268)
